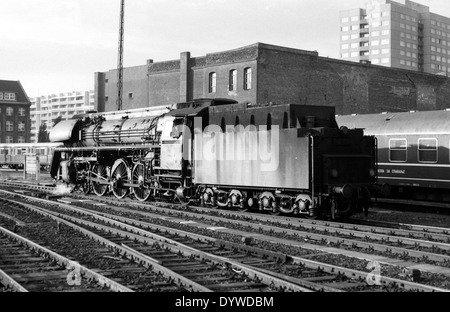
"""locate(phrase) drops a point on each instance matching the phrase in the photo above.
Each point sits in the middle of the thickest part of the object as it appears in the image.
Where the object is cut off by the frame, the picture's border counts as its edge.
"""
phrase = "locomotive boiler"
(287, 158)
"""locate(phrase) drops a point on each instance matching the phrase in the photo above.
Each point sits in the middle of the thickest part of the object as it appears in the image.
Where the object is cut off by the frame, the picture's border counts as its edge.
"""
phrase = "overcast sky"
(54, 46)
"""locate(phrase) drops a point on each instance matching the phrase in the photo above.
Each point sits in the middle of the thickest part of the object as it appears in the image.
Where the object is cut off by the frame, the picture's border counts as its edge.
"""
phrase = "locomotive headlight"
(334, 173)
(372, 172)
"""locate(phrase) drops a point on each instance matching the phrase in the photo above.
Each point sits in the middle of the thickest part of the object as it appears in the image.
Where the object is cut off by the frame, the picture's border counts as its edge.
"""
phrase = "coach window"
(247, 78)
(428, 150)
(212, 82)
(397, 150)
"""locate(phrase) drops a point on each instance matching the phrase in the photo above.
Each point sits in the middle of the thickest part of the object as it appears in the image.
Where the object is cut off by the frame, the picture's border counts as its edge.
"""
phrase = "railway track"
(27, 266)
(415, 242)
(216, 273)
(358, 279)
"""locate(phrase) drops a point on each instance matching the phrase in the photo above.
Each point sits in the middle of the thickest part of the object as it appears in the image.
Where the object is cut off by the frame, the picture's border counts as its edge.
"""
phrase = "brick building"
(14, 113)
(262, 73)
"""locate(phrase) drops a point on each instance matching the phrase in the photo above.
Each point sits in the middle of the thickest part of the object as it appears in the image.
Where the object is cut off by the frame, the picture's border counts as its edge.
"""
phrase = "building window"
(9, 126)
(212, 82)
(9, 139)
(21, 139)
(21, 111)
(232, 84)
(427, 150)
(397, 150)
(21, 126)
(130, 95)
(9, 96)
(106, 98)
(247, 78)
(9, 111)
(1, 95)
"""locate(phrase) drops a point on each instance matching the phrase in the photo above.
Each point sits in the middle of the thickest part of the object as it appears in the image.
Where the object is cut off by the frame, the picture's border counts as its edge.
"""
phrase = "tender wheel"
(142, 193)
(275, 211)
(99, 172)
(120, 174)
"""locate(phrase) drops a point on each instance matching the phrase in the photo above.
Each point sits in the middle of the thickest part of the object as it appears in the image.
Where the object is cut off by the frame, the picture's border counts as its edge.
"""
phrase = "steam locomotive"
(288, 158)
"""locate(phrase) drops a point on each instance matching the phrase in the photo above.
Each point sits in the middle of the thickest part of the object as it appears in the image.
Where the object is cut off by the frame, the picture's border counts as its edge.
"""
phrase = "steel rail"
(8, 281)
(134, 255)
(337, 240)
(332, 269)
(329, 268)
(145, 236)
(357, 274)
(67, 262)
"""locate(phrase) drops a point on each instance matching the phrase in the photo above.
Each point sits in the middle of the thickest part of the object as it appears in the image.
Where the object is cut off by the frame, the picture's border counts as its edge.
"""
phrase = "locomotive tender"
(285, 158)
(413, 151)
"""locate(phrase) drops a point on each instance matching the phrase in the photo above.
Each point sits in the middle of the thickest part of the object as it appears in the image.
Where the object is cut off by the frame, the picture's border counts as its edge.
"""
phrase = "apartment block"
(45, 110)
(399, 34)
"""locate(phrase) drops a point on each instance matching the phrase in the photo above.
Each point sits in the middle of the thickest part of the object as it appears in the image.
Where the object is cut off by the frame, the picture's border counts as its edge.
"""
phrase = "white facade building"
(45, 109)
(401, 34)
